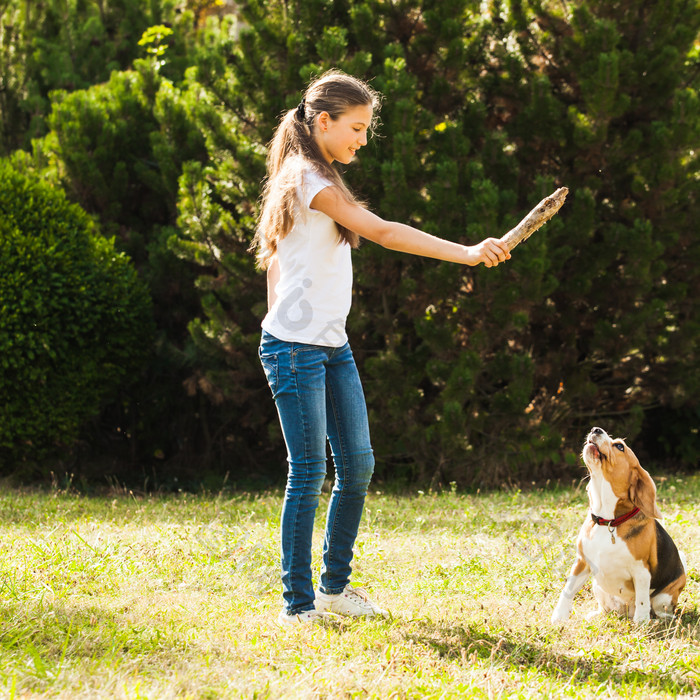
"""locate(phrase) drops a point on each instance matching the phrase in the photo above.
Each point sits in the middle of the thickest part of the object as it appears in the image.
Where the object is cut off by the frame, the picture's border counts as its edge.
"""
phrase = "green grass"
(176, 597)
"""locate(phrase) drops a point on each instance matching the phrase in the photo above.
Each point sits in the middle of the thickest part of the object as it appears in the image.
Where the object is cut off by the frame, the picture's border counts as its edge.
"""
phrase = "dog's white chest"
(611, 563)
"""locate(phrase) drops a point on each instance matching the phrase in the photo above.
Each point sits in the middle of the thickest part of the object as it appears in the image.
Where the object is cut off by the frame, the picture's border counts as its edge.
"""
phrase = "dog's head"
(613, 460)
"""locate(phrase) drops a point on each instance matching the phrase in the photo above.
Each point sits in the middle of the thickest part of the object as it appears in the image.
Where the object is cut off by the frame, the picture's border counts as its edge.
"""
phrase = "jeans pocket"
(270, 365)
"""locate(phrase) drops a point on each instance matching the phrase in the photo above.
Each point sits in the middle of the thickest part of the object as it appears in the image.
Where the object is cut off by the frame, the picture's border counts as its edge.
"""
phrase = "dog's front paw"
(561, 612)
(642, 613)
(594, 614)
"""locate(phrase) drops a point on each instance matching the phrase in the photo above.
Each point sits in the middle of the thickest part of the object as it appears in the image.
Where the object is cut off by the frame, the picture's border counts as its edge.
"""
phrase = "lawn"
(175, 596)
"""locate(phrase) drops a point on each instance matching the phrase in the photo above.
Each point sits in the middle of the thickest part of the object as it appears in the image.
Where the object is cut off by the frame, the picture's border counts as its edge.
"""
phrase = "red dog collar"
(617, 521)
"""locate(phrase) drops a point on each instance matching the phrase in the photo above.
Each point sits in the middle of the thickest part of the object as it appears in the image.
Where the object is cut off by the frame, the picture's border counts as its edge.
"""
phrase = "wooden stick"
(540, 215)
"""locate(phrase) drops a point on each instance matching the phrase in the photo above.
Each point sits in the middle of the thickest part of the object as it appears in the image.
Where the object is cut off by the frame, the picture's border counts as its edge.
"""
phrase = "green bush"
(70, 45)
(75, 321)
(117, 150)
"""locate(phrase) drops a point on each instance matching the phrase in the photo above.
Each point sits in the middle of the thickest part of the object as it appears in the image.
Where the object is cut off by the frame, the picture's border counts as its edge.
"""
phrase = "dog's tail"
(684, 561)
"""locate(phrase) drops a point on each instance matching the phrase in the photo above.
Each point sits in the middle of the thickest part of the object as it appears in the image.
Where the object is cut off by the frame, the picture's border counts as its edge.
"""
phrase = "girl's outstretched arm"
(403, 238)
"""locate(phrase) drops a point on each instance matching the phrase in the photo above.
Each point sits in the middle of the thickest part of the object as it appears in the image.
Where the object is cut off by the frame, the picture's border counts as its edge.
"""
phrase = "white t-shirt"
(314, 292)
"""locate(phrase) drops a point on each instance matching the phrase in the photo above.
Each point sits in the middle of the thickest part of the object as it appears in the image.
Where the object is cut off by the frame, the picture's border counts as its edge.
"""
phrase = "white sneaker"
(308, 617)
(351, 601)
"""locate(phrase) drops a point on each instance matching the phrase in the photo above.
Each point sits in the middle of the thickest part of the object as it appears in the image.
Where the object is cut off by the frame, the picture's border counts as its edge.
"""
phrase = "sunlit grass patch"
(176, 597)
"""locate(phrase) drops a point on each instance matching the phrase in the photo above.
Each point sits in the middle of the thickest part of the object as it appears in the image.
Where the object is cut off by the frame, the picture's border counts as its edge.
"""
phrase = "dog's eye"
(619, 446)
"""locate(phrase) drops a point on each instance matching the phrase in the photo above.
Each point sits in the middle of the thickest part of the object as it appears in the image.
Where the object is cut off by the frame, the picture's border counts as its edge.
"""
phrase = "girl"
(308, 225)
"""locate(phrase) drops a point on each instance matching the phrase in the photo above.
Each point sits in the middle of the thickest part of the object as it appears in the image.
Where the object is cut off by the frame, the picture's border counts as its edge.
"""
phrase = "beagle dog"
(636, 567)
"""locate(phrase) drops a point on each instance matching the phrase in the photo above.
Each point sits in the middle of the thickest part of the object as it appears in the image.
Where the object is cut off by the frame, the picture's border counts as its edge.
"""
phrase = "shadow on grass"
(536, 650)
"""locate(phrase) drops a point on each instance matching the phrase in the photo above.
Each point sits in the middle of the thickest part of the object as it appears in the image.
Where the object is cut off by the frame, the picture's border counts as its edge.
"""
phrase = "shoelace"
(361, 593)
(316, 615)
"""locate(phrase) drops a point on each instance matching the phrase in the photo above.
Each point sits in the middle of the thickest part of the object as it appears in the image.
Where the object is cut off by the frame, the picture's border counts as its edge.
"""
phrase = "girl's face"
(340, 139)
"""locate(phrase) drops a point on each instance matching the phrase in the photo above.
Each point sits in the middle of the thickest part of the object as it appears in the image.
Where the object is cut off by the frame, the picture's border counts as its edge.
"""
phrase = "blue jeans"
(319, 396)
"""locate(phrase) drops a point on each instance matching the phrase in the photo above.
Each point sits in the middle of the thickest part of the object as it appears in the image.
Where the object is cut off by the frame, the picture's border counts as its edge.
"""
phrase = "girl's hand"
(491, 252)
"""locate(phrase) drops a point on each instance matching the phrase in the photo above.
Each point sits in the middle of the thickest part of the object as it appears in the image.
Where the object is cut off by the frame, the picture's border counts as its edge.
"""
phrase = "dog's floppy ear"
(643, 492)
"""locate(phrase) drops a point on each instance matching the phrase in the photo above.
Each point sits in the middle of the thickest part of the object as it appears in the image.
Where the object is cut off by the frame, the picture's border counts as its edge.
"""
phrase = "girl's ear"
(323, 118)
(643, 492)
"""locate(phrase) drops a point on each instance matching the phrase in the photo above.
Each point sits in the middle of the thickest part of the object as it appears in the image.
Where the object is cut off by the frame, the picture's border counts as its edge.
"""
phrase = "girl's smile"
(340, 139)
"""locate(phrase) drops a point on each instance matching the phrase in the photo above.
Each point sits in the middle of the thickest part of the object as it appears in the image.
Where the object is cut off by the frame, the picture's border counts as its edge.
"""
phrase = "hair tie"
(301, 110)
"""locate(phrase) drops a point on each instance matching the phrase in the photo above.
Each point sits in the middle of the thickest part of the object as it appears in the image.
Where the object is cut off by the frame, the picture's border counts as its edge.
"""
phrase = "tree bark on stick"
(540, 215)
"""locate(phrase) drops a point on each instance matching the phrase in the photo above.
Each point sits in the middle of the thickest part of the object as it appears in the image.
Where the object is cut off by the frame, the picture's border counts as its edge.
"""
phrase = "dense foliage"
(491, 375)
(476, 375)
(75, 322)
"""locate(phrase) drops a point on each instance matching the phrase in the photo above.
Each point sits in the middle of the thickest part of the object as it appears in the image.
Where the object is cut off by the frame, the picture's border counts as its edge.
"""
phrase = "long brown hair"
(293, 147)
